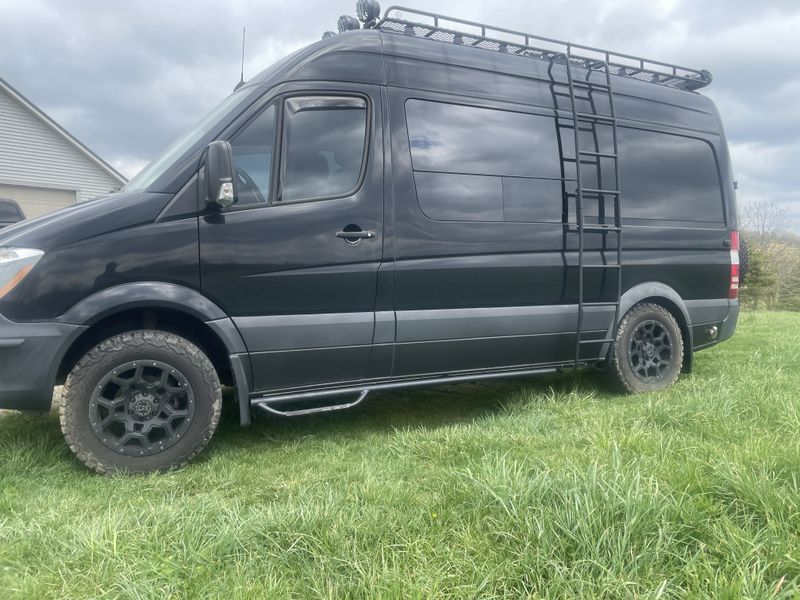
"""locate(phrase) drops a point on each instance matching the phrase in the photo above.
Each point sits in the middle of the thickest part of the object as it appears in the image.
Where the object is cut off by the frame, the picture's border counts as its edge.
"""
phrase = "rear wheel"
(648, 354)
(139, 402)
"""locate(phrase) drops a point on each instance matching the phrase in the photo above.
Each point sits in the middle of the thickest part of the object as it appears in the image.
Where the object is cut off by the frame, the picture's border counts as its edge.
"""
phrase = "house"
(42, 166)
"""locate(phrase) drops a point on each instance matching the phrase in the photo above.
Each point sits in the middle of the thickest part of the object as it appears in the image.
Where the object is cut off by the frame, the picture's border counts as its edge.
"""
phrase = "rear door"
(295, 263)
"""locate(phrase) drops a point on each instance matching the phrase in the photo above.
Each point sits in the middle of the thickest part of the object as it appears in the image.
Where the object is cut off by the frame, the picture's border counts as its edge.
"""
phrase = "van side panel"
(464, 286)
(464, 289)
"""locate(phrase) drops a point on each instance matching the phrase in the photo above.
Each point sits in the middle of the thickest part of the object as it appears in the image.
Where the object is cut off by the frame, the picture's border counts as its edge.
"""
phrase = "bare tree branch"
(763, 220)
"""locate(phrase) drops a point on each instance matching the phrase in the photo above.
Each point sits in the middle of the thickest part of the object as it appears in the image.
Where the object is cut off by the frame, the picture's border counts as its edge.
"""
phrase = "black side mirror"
(218, 170)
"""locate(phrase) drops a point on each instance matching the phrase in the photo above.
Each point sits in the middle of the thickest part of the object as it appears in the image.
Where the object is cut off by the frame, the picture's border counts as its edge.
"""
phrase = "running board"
(309, 411)
(267, 402)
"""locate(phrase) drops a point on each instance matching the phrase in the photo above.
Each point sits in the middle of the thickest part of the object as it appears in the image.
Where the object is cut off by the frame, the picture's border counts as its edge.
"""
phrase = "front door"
(295, 261)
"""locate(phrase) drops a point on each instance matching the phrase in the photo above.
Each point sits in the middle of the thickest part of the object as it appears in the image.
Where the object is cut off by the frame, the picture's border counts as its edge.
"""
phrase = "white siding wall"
(32, 154)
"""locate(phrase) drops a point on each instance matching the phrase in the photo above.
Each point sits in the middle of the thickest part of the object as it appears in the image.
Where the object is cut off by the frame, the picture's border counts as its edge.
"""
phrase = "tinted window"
(252, 158)
(8, 212)
(324, 145)
(449, 138)
(669, 177)
(448, 197)
(480, 164)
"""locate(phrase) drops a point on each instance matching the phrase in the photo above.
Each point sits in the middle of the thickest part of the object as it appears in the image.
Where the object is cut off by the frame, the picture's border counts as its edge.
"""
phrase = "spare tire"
(743, 259)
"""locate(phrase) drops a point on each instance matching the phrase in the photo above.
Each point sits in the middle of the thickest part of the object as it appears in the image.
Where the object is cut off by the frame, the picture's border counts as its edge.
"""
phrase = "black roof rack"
(428, 25)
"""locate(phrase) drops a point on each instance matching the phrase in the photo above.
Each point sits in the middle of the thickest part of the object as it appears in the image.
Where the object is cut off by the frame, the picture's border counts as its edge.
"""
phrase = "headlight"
(15, 264)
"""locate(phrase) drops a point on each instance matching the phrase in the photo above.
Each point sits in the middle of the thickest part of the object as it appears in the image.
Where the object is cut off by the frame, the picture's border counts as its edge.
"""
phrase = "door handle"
(355, 234)
(351, 235)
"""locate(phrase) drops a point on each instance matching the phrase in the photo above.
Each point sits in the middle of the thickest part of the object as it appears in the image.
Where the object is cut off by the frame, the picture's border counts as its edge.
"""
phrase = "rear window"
(668, 177)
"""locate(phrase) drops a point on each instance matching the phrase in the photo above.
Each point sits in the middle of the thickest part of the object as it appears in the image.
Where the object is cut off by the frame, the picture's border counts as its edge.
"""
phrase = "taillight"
(733, 290)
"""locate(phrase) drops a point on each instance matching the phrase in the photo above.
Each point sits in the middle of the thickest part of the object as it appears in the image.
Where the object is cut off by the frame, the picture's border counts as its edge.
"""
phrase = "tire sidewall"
(117, 352)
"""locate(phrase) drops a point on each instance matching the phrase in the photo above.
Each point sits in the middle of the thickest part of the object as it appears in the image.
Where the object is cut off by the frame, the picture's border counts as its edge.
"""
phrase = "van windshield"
(158, 167)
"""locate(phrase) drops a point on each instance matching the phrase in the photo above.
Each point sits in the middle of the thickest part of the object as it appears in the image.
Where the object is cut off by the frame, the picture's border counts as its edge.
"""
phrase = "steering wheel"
(243, 178)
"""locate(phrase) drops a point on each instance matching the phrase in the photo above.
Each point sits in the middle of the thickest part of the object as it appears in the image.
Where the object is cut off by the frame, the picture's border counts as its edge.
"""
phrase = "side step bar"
(270, 403)
(311, 411)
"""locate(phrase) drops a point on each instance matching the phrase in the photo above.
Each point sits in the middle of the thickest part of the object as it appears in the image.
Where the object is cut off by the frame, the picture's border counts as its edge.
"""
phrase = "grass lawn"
(547, 487)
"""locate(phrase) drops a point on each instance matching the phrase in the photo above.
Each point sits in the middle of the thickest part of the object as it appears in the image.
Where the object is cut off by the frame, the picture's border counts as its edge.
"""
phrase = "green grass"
(548, 487)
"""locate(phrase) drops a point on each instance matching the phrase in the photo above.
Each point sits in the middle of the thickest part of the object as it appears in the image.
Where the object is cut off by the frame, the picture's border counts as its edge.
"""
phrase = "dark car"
(395, 206)
(10, 213)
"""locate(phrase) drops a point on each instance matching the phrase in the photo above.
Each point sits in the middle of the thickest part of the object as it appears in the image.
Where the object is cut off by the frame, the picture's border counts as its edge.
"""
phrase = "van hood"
(85, 220)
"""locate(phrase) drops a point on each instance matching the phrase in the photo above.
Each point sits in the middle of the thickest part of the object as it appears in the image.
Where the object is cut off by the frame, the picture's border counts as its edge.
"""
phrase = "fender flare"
(142, 294)
(658, 290)
(159, 294)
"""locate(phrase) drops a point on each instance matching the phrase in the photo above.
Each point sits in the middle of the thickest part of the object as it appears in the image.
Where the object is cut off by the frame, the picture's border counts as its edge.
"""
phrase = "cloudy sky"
(127, 76)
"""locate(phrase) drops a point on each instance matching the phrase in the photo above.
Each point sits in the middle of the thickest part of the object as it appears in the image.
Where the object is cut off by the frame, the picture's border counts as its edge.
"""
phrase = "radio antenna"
(241, 78)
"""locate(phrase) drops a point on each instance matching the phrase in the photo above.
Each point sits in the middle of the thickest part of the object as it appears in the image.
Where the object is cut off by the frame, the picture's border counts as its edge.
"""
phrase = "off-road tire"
(143, 345)
(622, 371)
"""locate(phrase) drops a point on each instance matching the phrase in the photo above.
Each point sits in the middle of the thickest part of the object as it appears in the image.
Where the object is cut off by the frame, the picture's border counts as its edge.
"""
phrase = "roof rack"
(428, 25)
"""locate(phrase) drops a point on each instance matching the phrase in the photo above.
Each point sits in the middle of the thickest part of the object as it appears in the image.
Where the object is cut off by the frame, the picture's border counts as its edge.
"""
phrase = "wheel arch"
(142, 294)
(166, 307)
(667, 297)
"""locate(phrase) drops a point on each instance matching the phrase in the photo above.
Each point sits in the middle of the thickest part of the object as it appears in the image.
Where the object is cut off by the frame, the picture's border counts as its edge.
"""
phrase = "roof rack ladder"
(602, 192)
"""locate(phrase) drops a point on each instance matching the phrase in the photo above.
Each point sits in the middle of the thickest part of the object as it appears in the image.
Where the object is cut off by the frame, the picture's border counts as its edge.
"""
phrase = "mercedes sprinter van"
(413, 201)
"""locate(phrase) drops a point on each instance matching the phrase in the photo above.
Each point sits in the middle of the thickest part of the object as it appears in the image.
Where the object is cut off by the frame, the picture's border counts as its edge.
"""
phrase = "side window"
(669, 177)
(481, 164)
(252, 158)
(323, 147)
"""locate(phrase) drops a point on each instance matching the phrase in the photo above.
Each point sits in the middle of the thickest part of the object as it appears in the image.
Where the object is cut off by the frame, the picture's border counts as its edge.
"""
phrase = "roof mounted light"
(348, 23)
(328, 34)
(368, 12)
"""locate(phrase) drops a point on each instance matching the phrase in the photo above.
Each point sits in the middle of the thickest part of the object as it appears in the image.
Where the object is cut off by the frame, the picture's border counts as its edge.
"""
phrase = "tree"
(761, 287)
(784, 261)
(763, 220)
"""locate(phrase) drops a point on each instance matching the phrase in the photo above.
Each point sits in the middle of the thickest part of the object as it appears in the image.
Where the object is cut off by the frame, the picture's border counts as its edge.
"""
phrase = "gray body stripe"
(294, 332)
(466, 323)
(336, 330)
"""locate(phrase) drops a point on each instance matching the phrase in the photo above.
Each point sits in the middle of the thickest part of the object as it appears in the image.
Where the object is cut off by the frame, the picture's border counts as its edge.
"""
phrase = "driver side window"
(323, 148)
(252, 159)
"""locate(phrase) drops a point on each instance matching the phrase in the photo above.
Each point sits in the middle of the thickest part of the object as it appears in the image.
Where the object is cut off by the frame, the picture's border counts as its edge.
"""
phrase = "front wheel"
(139, 402)
(648, 353)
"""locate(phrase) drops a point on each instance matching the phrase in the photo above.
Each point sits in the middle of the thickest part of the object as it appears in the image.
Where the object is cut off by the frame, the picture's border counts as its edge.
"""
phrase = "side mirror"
(219, 175)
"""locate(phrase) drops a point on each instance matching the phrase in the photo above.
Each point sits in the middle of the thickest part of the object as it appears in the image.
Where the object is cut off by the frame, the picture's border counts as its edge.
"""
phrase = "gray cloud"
(128, 77)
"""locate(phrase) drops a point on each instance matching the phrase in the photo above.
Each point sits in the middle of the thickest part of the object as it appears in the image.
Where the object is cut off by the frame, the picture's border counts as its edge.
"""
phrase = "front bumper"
(30, 354)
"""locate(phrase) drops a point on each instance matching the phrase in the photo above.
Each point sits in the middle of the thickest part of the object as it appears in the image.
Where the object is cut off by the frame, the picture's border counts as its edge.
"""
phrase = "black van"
(416, 201)
(10, 213)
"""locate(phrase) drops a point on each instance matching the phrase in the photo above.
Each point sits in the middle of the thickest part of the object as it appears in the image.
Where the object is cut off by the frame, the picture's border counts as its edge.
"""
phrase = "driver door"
(295, 262)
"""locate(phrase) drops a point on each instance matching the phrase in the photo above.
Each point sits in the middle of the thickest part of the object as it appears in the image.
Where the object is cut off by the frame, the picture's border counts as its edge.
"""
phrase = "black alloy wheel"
(142, 407)
(650, 350)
